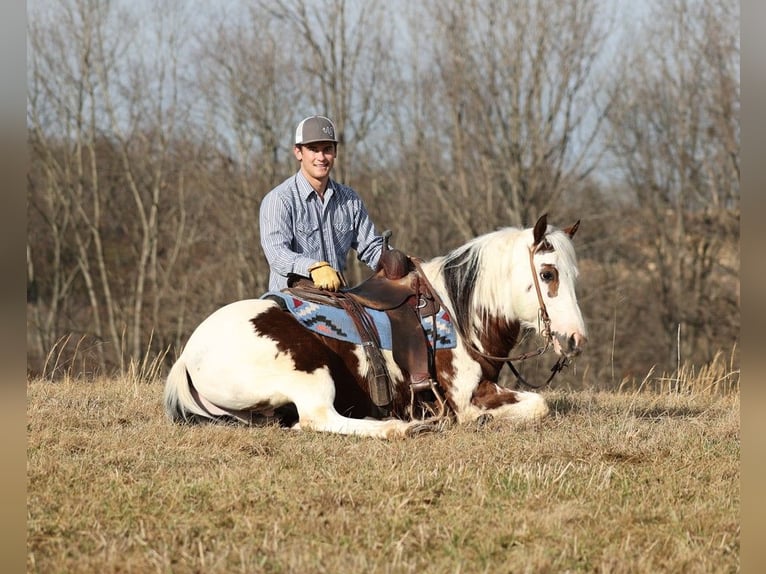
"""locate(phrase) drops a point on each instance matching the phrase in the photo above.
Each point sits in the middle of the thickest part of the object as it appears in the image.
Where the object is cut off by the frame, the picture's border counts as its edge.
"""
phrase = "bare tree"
(102, 119)
(674, 130)
(245, 78)
(62, 117)
(345, 64)
(514, 124)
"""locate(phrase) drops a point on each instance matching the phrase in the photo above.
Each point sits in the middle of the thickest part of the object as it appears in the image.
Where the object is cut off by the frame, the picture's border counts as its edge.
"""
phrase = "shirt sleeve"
(276, 221)
(369, 243)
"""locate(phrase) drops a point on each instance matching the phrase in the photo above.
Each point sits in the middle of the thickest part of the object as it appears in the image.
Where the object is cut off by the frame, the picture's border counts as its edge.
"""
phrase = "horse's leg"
(313, 395)
(490, 398)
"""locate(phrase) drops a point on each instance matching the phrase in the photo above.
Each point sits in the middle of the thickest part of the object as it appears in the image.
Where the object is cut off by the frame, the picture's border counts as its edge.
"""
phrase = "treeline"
(153, 137)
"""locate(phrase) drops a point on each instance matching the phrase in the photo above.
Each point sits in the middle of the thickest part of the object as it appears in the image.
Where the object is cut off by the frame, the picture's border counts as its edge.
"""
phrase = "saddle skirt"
(332, 321)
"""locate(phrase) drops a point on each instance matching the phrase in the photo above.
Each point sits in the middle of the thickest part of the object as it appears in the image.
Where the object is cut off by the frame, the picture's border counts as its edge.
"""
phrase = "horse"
(252, 361)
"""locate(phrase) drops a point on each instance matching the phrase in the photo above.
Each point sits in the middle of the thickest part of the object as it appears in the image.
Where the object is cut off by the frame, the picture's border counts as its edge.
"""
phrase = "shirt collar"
(305, 189)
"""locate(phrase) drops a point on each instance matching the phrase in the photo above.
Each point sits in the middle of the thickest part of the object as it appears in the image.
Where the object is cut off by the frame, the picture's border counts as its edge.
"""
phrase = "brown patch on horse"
(489, 395)
(310, 351)
(550, 276)
(445, 374)
(352, 389)
(292, 339)
(499, 336)
(544, 247)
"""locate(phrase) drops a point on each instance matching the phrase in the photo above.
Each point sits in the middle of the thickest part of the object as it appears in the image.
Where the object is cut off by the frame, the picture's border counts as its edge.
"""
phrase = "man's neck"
(318, 185)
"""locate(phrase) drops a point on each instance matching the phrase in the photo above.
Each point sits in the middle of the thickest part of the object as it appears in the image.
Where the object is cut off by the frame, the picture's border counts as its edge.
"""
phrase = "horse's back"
(226, 351)
(233, 313)
(232, 322)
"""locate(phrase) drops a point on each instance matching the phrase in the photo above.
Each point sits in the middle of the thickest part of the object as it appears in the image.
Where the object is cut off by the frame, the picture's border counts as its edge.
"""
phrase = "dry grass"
(612, 482)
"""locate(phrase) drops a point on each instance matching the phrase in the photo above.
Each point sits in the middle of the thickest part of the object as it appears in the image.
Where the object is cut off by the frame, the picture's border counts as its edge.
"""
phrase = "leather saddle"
(397, 280)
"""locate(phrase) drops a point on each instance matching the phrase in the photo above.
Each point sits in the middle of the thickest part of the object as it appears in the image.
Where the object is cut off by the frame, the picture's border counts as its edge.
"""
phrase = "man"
(310, 222)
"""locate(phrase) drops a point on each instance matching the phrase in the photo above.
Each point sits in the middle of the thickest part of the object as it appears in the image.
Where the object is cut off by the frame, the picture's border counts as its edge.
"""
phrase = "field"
(631, 481)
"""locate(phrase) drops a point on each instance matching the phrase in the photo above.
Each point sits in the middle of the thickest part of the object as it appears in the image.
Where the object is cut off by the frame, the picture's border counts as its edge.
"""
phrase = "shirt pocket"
(307, 238)
(345, 234)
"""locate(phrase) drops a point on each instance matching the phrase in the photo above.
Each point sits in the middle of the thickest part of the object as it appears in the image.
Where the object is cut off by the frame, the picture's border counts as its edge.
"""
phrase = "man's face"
(316, 158)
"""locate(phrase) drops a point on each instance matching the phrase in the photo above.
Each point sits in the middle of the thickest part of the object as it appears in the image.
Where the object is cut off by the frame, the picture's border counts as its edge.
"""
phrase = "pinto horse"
(253, 361)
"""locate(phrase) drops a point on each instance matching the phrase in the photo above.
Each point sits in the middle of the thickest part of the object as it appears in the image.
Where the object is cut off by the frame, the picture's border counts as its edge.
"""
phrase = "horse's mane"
(477, 274)
(460, 270)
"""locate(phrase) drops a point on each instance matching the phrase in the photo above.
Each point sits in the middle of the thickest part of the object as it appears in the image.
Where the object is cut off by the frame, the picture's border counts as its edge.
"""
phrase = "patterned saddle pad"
(334, 322)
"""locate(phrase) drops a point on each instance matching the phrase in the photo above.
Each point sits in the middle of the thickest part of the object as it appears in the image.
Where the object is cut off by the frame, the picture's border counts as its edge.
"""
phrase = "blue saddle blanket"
(334, 322)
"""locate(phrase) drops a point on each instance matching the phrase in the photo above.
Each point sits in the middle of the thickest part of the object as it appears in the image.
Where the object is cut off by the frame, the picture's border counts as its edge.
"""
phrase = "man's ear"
(297, 150)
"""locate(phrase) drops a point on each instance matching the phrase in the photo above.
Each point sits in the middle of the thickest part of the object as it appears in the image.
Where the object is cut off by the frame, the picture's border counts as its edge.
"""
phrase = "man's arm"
(277, 237)
(369, 243)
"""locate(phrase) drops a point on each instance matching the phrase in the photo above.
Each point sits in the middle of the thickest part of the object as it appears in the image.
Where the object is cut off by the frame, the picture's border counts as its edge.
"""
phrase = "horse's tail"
(180, 405)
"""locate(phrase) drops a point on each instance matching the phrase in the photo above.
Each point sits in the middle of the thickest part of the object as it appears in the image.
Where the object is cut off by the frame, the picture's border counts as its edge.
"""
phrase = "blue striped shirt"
(298, 229)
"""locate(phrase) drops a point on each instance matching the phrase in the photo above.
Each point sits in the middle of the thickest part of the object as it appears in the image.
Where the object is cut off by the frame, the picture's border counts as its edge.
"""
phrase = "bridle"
(545, 332)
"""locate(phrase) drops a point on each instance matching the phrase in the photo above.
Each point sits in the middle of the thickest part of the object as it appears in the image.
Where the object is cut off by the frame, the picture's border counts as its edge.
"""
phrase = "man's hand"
(324, 276)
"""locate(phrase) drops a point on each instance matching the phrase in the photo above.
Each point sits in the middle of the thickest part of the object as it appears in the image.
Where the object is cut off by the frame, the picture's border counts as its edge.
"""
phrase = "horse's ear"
(540, 228)
(572, 229)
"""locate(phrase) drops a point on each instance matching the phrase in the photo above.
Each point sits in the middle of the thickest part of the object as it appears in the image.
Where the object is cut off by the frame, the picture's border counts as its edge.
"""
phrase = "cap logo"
(329, 131)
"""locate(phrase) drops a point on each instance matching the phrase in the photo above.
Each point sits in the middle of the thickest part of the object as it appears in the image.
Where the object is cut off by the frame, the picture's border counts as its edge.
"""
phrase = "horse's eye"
(547, 276)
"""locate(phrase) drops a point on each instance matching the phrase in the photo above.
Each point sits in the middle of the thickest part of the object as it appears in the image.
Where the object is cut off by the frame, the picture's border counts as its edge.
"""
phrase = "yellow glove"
(324, 276)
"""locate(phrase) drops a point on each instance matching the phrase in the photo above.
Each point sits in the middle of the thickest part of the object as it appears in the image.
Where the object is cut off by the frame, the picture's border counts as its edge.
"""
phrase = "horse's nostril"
(576, 341)
(575, 344)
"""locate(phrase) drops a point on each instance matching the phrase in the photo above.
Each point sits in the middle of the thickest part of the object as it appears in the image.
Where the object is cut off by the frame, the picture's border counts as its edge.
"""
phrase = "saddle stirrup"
(426, 385)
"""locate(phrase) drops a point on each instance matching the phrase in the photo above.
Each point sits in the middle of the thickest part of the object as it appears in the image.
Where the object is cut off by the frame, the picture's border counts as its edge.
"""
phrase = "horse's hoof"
(484, 420)
(429, 426)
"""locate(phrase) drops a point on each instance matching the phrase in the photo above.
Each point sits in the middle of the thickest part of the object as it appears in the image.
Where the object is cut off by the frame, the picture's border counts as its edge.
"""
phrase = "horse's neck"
(497, 334)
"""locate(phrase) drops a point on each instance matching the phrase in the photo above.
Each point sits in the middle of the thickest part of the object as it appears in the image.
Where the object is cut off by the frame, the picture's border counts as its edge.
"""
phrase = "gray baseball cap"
(315, 129)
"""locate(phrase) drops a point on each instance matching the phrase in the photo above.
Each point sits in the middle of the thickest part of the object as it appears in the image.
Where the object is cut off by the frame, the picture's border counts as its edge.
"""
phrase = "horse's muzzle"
(570, 346)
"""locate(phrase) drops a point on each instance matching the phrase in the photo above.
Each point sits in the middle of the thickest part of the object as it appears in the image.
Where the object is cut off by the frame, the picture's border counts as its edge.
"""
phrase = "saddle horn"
(394, 263)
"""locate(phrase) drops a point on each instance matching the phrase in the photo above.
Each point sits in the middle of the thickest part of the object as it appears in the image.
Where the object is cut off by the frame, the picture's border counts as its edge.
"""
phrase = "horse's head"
(546, 285)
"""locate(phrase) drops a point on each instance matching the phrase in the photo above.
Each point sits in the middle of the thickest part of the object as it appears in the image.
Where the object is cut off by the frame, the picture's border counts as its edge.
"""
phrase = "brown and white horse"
(251, 359)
